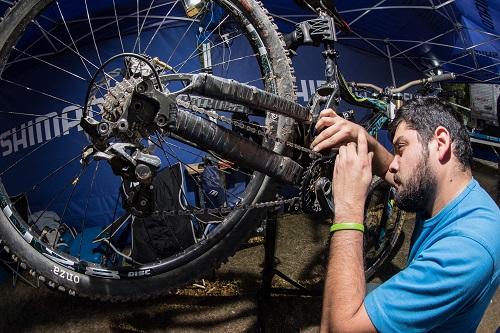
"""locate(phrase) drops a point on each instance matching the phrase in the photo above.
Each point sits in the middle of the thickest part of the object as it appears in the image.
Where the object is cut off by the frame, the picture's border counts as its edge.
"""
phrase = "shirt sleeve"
(435, 285)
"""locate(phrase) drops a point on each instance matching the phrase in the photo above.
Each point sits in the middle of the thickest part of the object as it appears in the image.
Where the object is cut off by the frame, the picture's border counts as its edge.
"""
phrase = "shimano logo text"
(41, 129)
(307, 88)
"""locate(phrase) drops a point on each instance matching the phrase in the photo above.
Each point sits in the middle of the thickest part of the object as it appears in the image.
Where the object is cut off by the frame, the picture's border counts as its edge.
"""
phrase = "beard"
(416, 194)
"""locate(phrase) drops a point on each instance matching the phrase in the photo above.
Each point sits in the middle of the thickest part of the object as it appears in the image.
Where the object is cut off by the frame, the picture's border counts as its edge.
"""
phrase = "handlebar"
(435, 78)
(442, 77)
(366, 85)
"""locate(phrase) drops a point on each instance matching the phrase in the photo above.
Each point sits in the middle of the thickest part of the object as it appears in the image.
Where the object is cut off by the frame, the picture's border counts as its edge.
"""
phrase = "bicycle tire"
(384, 222)
(205, 255)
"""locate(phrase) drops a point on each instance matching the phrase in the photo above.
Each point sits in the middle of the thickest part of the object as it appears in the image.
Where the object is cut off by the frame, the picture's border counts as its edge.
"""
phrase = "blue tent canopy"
(461, 36)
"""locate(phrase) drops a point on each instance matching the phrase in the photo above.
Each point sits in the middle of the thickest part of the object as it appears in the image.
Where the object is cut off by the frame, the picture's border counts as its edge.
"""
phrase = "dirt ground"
(224, 302)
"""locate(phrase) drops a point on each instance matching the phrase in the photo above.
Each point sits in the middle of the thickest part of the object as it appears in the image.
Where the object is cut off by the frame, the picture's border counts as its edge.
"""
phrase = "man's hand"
(334, 131)
(352, 176)
(343, 306)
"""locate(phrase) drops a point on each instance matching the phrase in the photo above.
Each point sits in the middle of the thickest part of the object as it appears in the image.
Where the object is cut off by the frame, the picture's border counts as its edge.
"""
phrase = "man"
(454, 263)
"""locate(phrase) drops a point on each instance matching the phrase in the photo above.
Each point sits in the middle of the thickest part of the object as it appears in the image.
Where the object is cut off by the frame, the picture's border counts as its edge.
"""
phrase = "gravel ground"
(224, 302)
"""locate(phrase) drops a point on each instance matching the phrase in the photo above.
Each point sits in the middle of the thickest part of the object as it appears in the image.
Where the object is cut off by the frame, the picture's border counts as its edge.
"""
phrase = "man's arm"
(343, 307)
(335, 131)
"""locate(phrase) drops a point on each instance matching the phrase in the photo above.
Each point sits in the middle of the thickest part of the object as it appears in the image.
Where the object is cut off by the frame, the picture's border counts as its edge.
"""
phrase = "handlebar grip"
(442, 77)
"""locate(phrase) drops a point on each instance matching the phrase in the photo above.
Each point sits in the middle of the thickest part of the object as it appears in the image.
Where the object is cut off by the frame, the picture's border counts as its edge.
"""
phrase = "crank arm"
(323, 188)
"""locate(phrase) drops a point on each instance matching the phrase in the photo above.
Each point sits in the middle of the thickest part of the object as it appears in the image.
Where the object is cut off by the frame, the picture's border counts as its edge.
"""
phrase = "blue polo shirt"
(452, 274)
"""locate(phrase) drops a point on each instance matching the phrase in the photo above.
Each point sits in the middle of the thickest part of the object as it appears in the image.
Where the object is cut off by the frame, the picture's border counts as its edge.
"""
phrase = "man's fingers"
(326, 134)
(327, 113)
(325, 122)
(370, 157)
(362, 145)
(342, 154)
(335, 170)
(330, 142)
(351, 150)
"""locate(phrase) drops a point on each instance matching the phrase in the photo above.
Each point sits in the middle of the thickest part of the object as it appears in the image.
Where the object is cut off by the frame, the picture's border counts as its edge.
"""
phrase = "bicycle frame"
(209, 136)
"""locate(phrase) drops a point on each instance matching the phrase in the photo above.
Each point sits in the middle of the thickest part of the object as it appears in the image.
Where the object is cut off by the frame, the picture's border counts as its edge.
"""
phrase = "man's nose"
(394, 166)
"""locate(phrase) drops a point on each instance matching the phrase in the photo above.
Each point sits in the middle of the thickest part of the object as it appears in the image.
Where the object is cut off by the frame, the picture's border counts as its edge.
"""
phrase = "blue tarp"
(450, 35)
(461, 36)
(465, 31)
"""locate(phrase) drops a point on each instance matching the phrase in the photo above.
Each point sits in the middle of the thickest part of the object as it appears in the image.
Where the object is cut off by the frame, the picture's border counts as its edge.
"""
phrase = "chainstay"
(240, 124)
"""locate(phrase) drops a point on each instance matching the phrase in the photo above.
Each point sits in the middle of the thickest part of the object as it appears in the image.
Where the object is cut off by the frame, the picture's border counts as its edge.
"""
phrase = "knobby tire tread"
(22, 12)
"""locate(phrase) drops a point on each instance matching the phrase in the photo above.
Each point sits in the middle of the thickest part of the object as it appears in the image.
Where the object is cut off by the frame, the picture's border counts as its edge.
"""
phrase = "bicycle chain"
(226, 210)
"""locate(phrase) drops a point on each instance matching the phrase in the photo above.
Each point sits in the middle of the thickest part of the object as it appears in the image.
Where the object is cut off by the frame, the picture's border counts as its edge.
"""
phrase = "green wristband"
(347, 226)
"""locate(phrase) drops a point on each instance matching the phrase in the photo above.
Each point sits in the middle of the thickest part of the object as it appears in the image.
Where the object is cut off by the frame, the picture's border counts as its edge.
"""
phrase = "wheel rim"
(27, 50)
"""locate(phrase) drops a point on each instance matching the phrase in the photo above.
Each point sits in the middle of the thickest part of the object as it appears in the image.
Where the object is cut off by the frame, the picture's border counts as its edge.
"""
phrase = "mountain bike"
(84, 187)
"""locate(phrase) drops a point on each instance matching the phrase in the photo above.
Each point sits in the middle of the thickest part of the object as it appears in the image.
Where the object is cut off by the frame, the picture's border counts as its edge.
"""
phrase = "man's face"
(413, 174)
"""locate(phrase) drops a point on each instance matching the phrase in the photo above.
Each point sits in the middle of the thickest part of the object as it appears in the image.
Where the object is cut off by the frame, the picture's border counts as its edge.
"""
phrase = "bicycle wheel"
(54, 197)
(384, 222)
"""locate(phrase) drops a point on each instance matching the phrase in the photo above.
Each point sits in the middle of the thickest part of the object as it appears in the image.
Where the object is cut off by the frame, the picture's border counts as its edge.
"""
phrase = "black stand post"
(269, 271)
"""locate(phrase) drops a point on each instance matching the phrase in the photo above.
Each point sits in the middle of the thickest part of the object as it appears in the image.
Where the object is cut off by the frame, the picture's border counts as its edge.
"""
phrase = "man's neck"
(449, 186)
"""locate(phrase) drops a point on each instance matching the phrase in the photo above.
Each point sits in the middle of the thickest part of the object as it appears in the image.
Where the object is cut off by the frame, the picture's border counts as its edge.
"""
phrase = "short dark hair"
(425, 114)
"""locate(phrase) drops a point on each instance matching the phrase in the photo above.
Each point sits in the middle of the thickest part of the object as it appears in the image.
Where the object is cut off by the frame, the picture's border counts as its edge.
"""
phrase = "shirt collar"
(449, 207)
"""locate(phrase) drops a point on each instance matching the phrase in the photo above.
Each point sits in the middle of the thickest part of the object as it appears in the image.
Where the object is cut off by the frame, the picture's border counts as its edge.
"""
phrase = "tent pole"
(389, 57)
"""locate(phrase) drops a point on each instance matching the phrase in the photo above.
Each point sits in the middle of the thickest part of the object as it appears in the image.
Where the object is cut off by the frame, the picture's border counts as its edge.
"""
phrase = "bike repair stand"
(269, 271)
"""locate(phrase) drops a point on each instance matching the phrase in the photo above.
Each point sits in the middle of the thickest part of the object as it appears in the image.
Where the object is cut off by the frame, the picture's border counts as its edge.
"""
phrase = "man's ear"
(443, 141)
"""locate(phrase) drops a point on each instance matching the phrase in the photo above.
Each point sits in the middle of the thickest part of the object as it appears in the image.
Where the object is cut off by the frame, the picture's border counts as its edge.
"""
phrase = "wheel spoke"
(179, 184)
(175, 156)
(118, 26)
(224, 62)
(54, 198)
(82, 59)
(41, 93)
(84, 221)
(42, 116)
(194, 179)
(76, 52)
(139, 31)
(211, 48)
(113, 228)
(53, 173)
(92, 33)
(50, 64)
(206, 38)
(182, 37)
(159, 26)
(74, 183)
